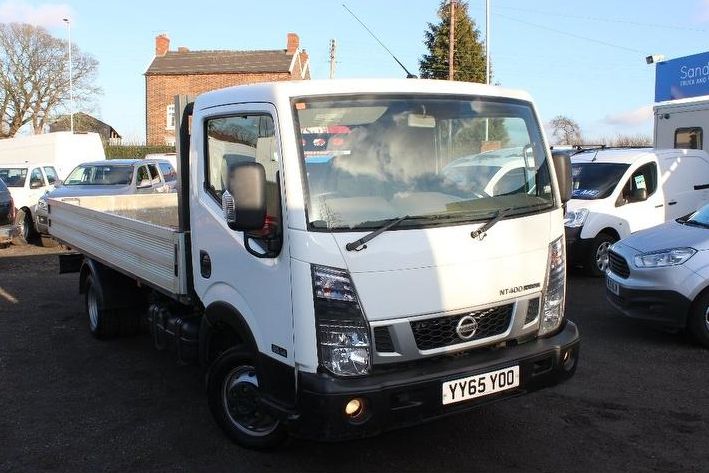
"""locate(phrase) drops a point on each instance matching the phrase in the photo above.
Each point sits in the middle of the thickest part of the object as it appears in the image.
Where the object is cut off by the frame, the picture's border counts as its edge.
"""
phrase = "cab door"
(247, 271)
(640, 203)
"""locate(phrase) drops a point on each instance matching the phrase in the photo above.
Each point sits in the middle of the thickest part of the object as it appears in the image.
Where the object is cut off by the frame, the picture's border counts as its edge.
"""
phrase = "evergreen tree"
(469, 54)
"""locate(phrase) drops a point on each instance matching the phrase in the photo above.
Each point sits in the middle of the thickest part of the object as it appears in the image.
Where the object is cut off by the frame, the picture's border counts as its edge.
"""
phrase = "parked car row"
(30, 185)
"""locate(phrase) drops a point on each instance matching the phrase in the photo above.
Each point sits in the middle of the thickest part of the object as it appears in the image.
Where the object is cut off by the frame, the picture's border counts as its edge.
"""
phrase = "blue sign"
(682, 77)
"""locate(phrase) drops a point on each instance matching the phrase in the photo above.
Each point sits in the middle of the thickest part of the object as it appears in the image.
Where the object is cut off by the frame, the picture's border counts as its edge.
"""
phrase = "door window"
(154, 174)
(168, 172)
(645, 177)
(36, 179)
(51, 175)
(143, 177)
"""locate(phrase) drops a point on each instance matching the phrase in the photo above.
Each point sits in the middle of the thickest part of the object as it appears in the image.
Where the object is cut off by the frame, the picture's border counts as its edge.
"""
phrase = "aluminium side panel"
(147, 251)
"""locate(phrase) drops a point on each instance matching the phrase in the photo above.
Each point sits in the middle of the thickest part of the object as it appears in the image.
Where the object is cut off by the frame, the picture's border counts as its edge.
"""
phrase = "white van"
(617, 192)
(27, 183)
(63, 150)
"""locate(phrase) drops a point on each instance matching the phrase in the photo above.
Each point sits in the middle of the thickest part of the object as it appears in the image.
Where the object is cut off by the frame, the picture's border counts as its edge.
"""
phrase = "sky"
(581, 59)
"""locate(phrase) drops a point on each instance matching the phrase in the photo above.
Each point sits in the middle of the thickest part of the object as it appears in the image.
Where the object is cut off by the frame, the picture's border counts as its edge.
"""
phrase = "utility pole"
(451, 40)
(71, 74)
(487, 41)
(333, 47)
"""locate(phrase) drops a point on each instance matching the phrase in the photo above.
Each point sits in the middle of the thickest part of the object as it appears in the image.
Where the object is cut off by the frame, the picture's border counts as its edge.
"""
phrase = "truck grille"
(618, 265)
(441, 331)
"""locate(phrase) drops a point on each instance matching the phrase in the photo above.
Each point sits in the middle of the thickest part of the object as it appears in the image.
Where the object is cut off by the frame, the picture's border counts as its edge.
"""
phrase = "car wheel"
(597, 260)
(25, 226)
(234, 400)
(698, 323)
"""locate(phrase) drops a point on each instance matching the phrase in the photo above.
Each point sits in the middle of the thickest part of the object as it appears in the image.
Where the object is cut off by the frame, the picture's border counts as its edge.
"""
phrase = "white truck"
(63, 150)
(338, 294)
(617, 192)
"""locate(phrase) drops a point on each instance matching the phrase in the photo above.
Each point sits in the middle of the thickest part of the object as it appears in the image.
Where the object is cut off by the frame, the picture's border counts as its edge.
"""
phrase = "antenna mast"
(408, 74)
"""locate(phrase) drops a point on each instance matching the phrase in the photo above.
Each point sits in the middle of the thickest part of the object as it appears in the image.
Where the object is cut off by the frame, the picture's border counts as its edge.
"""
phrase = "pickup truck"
(327, 275)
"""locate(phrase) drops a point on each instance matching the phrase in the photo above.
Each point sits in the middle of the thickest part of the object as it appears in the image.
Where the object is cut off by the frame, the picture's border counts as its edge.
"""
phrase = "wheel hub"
(241, 399)
(602, 256)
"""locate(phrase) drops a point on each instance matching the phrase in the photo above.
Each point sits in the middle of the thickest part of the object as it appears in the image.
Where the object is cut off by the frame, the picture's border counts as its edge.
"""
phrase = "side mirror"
(35, 184)
(244, 201)
(638, 195)
(562, 166)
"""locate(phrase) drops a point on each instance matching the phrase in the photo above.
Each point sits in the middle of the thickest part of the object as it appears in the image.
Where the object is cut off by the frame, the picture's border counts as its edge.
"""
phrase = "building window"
(170, 117)
(169, 141)
(688, 138)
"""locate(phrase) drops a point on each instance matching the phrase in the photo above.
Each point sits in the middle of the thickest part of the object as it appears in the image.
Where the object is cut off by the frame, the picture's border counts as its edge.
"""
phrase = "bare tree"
(565, 131)
(34, 78)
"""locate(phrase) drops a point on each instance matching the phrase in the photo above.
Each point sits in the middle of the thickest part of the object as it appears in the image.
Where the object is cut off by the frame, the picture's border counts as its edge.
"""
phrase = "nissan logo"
(466, 328)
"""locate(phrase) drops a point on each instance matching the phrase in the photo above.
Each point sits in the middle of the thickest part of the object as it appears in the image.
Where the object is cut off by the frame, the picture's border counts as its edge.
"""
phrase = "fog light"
(354, 407)
(568, 360)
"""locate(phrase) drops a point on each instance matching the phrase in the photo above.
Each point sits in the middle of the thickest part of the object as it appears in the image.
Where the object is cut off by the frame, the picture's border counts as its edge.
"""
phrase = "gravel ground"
(71, 403)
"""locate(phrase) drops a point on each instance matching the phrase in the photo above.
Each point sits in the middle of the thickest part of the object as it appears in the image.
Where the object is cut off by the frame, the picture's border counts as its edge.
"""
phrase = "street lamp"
(71, 79)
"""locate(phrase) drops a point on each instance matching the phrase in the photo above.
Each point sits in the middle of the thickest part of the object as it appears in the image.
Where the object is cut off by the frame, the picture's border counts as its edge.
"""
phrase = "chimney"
(162, 44)
(292, 44)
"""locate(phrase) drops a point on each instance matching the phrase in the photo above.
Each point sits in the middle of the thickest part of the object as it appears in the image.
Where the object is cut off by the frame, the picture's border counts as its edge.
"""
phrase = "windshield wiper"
(481, 232)
(359, 245)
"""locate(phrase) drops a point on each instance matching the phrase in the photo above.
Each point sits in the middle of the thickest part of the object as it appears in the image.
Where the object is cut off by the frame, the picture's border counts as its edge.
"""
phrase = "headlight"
(658, 259)
(554, 295)
(575, 218)
(42, 204)
(343, 333)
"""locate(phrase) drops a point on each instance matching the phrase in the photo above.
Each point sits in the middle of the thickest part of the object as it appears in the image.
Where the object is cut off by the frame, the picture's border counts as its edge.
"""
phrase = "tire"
(597, 258)
(107, 322)
(232, 391)
(26, 234)
(698, 322)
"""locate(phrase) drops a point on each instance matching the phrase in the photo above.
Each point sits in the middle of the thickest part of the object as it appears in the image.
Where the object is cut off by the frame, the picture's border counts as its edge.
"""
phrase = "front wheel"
(25, 226)
(234, 400)
(597, 260)
(698, 322)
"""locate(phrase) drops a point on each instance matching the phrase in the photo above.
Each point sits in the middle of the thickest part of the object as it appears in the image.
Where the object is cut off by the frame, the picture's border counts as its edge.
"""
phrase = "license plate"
(480, 385)
(613, 286)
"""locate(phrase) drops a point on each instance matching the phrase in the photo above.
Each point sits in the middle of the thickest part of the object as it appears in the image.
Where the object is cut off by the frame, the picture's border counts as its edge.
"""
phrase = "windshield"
(13, 177)
(595, 180)
(370, 159)
(100, 174)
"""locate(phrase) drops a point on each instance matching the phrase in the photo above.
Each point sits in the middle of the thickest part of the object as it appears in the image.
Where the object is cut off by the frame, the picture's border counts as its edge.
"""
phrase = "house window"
(170, 117)
(688, 138)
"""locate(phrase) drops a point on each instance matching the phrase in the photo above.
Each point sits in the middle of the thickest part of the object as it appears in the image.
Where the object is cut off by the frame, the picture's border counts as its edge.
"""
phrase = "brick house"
(185, 72)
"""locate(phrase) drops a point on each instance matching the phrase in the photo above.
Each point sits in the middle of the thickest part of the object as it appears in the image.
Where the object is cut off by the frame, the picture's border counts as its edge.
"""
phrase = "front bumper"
(662, 307)
(412, 394)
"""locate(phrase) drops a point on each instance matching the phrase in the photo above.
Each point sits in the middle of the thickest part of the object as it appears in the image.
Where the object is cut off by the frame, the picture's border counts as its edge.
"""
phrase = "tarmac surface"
(639, 401)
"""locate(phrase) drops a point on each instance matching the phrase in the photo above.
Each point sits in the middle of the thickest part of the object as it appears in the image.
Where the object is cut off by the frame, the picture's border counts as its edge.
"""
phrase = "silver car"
(110, 177)
(661, 275)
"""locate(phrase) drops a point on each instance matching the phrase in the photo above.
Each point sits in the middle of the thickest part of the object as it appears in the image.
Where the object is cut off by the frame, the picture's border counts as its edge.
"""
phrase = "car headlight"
(575, 218)
(554, 295)
(42, 204)
(343, 332)
(661, 258)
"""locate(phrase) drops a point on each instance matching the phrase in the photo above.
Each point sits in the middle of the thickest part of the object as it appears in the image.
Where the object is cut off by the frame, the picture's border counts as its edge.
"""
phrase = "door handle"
(658, 206)
(205, 264)
(672, 202)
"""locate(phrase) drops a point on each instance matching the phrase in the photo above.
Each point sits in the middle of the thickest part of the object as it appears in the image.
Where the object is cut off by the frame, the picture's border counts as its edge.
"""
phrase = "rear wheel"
(234, 400)
(698, 322)
(597, 259)
(105, 320)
